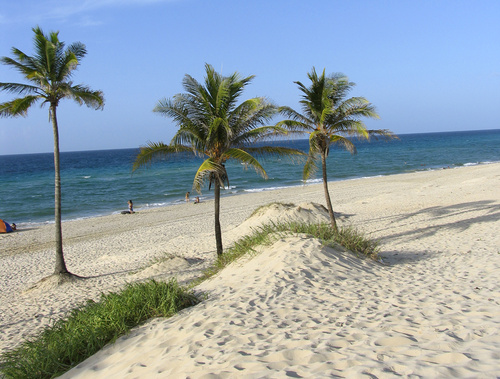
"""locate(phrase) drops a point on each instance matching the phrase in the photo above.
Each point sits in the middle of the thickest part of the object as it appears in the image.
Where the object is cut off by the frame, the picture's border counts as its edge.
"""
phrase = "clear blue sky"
(426, 65)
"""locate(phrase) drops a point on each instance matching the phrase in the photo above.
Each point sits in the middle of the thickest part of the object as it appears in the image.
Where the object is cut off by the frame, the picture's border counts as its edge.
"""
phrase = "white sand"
(297, 309)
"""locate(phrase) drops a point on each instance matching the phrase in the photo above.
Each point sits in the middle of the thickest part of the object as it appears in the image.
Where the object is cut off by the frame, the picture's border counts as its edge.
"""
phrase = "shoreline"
(209, 196)
(437, 230)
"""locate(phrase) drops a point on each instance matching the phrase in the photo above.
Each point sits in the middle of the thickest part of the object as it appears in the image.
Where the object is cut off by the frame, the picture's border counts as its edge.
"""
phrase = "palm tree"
(49, 72)
(329, 119)
(212, 125)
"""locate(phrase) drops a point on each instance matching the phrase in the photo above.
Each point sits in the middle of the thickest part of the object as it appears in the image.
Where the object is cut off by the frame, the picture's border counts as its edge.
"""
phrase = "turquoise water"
(100, 182)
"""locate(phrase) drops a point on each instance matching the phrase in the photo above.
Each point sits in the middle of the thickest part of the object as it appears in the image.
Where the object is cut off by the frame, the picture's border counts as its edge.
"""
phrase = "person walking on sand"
(187, 196)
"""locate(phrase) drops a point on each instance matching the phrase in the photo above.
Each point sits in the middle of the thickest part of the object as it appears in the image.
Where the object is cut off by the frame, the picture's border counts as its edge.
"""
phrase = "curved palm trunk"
(60, 264)
(327, 194)
(218, 234)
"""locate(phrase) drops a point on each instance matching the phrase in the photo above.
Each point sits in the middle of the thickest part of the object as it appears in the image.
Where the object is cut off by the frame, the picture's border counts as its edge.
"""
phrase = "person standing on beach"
(187, 197)
(130, 206)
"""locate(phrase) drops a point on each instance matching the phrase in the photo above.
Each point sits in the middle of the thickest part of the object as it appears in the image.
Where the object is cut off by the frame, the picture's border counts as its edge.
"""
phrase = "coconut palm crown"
(330, 118)
(213, 125)
(48, 73)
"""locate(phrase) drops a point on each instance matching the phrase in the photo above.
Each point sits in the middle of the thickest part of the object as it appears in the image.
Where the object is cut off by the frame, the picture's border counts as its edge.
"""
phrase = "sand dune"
(298, 309)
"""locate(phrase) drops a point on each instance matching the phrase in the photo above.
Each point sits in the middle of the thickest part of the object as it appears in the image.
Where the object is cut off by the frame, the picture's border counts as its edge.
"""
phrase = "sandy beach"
(297, 309)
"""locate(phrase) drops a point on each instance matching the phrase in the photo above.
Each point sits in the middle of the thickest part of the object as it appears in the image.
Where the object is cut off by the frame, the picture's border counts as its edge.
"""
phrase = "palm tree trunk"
(218, 234)
(60, 264)
(327, 194)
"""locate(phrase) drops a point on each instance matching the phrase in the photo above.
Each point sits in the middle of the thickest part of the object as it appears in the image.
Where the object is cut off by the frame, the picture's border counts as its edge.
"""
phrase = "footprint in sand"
(395, 341)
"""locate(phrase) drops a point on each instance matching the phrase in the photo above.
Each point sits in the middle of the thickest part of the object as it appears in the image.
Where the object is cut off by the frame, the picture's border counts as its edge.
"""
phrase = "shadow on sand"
(436, 219)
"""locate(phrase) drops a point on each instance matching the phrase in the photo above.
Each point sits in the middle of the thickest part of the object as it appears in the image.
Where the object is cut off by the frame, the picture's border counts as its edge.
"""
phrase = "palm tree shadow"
(343, 216)
(490, 206)
(397, 257)
(193, 262)
(462, 216)
(23, 230)
(108, 274)
(490, 209)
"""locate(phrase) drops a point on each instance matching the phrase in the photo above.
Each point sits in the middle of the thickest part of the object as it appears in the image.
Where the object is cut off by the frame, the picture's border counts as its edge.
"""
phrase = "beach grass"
(348, 237)
(90, 327)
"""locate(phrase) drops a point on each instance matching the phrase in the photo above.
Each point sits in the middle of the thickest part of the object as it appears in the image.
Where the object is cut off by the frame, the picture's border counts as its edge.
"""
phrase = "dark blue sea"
(98, 183)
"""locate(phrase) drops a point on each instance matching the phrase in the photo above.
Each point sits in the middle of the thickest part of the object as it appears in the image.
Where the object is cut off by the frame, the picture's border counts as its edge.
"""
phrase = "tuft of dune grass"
(91, 326)
(348, 237)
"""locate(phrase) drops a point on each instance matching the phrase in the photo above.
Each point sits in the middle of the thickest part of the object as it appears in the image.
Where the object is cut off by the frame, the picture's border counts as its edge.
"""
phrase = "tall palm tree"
(212, 125)
(49, 72)
(329, 118)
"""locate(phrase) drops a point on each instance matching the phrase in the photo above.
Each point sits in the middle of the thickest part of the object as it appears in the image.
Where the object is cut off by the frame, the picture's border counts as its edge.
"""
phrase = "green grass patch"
(348, 237)
(93, 325)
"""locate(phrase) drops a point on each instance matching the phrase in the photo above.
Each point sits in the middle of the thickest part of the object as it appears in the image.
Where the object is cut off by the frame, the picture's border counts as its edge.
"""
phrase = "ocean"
(96, 183)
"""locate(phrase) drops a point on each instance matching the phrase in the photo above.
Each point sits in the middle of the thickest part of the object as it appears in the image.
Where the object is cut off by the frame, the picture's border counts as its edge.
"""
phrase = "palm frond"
(236, 88)
(310, 167)
(45, 52)
(17, 107)
(344, 143)
(65, 65)
(326, 112)
(221, 97)
(250, 114)
(23, 65)
(259, 134)
(295, 126)
(295, 116)
(338, 87)
(211, 170)
(78, 49)
(247, 159)
(191, 136)
(316, 143)
(155, 151)
(84, 95)
(174, 109)
(218, 135)
(294, 155)
(383, 133)
(357, 107)
(350, 127)
(18, 88)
